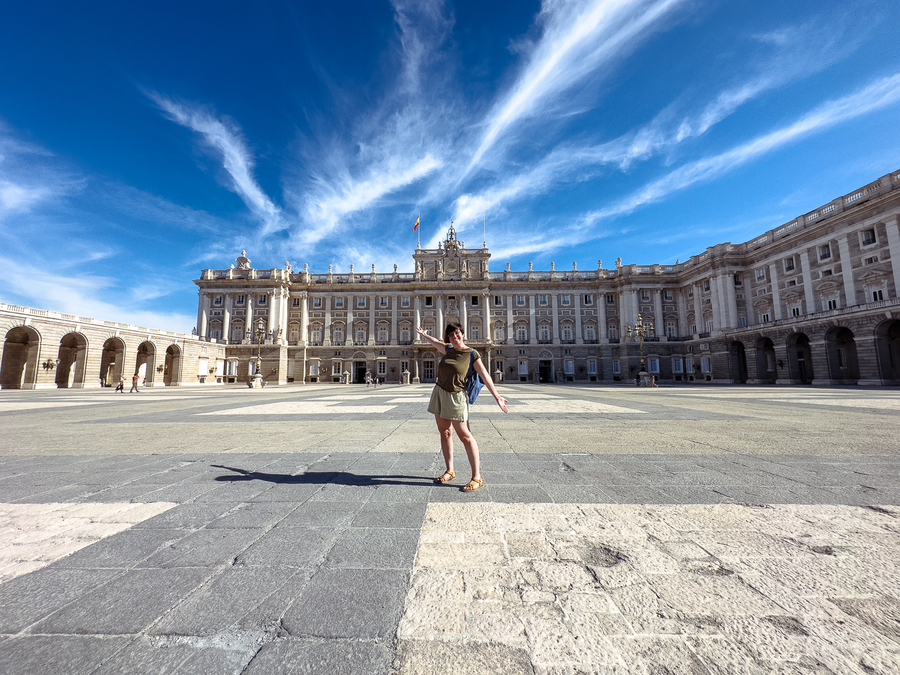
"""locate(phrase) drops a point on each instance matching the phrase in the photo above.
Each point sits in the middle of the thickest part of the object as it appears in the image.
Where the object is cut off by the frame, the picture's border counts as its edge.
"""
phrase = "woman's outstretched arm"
(440, 346)
(486, 378)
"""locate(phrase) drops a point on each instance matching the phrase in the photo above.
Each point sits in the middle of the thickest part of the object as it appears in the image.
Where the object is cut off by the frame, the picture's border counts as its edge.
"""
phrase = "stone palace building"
(813, 301)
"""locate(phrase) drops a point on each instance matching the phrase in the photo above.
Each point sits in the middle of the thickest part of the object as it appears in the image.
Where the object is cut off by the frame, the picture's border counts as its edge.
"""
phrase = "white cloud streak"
(225, 137)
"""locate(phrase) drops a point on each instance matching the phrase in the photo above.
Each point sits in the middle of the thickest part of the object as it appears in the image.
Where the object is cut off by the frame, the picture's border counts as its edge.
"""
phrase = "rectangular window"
(296, 302)
(761, 274)
(383, 301)
(588, 300)
(824, 252)
(738, 281)
(677, 366)
(617, 368)
(765, 318)
(239, 300)
(871, 260)
(542, 300)
(788, 264)
(827, 273)
(791, 282)
(338, 303)
(360, 303)
(317, 303)
(671, 329)
(335, 367)
(709, 326)
(592, 367)
(868, 237)
(404, 301)
(832, 304)
(705, 365)
(693, 329)
(474, 301)
(795, 311)
(217, 300)
(610, 300)
(590, 333)
(404, 367)
(428, 370)
(475, 332)
(262, 299)
(382, 334)
(429, 301)
(498, 301)
(569, 367)
(382, 367)
(520, 300)
(668, 296)
(314, 368)
(689, 365)
(523, 367)
(565, 300)
(645, 296)
(654, 365)
(877, 295)
(544, 333)
(742, 322)
(521, 334)
(706, 284)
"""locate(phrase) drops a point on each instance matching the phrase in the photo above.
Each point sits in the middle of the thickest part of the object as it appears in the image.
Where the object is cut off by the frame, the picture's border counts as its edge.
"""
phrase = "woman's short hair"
(451, 328)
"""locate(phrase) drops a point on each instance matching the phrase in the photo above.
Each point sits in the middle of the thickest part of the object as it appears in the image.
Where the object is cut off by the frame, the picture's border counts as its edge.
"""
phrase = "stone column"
(776, 294)
(716, 304)
(731, 299)
(271, 319)
(304, 318)
(415, 336)
(892, 227)
(395, 301)
(807, 283)
(601, 311)
(532, 319)
(510, 328)
(554, 314)
(249, 324)
(326, 333)
(203, 314)
(439, 321)
(372, 299)
(463, 314)
(226, 317)
(847, 272)
(682, 314)
(698, 310)
(579, 338)
(350, 337)
(659, 323)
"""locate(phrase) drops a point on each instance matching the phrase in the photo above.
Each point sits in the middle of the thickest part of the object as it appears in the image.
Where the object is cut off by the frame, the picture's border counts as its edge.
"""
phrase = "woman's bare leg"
(471, 445)
(446, 441)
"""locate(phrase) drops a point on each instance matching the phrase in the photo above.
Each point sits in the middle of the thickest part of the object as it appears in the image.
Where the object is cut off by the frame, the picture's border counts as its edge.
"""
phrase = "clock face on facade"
(451, 267)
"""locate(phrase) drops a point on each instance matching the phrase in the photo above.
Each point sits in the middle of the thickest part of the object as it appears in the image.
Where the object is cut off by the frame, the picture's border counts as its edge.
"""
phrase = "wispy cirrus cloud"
(877, 94)
(579, 38)
(224, 136)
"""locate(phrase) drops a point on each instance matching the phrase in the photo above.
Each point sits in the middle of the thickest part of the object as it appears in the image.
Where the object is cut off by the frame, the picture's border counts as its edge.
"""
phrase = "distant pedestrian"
(637, 380)
(121, 385)
(653, 382)
(134, 383)
(449, 403)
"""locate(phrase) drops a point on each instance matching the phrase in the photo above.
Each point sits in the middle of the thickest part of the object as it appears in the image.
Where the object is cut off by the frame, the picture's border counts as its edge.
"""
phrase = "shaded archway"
(887, 346)
(172, 366)
(112, 362)
(766, 372)
(843, 364)
(800, 358)
(738, 362)
(18, 368)
(145, 363)
(72, 361)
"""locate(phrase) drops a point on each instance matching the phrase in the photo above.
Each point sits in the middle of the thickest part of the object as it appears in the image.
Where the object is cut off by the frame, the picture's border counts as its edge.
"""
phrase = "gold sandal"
(445, 477)
(473, 485)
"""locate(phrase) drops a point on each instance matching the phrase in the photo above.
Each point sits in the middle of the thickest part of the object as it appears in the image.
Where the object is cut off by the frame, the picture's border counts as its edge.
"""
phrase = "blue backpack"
(473, 380)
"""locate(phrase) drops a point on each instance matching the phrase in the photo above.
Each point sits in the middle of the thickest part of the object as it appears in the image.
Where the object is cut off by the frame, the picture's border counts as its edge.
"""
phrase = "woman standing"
(448, 400)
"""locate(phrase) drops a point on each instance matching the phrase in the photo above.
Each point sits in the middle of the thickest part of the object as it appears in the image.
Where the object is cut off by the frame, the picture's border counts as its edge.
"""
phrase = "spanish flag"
(416, 226)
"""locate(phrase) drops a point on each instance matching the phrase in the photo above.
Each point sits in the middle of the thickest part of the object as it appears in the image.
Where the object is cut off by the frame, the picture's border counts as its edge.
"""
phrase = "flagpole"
(484, 230)
(419, 234)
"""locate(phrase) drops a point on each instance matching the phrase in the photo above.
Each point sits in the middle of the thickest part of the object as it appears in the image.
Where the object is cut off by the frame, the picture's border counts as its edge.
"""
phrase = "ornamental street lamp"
(640, 329)
(260, 334)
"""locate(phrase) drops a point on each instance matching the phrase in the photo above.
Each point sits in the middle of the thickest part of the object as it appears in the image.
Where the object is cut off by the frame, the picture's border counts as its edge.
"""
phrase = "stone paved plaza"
(296, 529)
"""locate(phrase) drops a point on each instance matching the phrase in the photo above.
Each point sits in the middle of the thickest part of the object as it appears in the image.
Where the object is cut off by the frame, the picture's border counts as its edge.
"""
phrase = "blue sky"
(143, 142)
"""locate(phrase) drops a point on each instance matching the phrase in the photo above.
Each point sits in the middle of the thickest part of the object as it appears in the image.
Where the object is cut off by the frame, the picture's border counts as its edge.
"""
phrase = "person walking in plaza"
(449, 403)
(121, 387)
(134, 383)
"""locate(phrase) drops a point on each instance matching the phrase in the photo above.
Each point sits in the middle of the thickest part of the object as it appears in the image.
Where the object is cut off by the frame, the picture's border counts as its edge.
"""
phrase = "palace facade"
(813, 301)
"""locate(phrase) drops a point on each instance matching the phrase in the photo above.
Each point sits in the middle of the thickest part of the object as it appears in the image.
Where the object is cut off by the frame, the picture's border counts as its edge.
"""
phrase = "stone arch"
(112, 361)
(887, 348)
(800, 363)
(738, 360)
(72, 355)
(19, 364)
(766, 365)
(172, 367)
(145, 364)
(843, 362)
